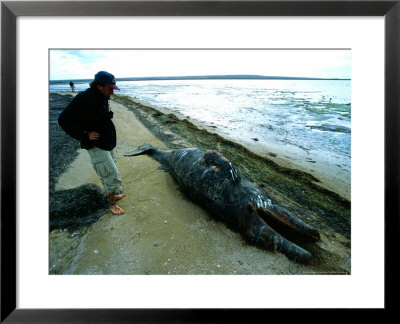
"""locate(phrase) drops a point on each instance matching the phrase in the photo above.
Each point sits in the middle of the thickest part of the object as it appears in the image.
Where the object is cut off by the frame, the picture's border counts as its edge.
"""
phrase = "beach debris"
(77, 207)
(210, 180)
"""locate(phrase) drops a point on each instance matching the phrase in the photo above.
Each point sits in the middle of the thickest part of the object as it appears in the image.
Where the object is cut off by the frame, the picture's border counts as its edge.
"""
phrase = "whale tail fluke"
(141, 150)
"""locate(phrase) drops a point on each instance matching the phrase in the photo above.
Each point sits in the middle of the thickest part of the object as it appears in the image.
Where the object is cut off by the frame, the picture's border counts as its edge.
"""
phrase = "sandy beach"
(162, 232)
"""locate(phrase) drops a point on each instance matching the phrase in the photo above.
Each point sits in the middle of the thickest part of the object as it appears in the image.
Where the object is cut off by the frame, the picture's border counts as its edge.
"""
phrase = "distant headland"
(208, 77)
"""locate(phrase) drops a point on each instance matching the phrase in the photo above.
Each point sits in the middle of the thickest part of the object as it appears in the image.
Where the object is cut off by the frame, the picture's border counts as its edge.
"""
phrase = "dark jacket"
(89, 112)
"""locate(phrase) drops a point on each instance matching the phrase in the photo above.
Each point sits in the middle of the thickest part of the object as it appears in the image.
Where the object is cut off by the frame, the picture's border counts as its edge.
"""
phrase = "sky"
(74, 64)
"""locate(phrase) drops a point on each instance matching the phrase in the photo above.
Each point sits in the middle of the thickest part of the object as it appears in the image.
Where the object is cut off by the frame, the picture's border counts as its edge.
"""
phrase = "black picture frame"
(10, 10)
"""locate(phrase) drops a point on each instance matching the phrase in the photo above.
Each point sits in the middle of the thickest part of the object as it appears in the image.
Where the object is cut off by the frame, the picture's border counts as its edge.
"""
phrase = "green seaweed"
(327, 108)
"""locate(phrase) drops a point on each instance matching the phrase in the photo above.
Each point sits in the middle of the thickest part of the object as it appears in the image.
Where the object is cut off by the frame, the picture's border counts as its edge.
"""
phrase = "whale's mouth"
(288, 225)
(272, 230)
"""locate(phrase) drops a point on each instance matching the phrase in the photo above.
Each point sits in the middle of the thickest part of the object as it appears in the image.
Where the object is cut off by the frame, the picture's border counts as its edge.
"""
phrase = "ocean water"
(309, 119)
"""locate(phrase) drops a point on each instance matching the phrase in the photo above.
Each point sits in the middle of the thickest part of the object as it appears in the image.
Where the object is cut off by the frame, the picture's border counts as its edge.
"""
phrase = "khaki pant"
(104, 163)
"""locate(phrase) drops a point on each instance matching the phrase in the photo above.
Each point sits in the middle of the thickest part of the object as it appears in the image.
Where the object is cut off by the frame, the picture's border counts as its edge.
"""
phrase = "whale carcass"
(210, 180)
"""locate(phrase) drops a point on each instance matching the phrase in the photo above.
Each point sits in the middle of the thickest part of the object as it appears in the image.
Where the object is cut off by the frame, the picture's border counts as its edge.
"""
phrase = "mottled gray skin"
(211, 181)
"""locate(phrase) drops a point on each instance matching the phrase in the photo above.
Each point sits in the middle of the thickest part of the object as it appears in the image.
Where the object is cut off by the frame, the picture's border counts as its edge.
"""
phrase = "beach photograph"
(227, 162)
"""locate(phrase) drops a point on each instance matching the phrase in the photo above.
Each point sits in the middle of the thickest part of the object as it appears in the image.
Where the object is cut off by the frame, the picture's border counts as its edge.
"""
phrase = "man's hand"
(93, 135)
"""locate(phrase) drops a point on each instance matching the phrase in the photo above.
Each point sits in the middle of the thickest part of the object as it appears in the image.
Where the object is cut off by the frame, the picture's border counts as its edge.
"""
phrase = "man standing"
(72, 85)
(88, 119)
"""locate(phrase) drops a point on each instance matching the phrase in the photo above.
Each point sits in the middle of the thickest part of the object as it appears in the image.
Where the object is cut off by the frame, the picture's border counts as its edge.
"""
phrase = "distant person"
(72, 85)
(88, 119)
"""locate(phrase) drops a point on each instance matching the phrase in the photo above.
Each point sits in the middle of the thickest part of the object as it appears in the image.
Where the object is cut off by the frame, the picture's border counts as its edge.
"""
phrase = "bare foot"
(118, 197)
(116, 210)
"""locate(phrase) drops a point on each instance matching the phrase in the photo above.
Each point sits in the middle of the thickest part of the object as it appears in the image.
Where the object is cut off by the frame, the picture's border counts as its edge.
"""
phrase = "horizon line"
(209, 77)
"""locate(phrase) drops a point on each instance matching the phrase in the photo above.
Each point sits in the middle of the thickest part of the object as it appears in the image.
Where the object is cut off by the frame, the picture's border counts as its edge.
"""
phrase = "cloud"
(76, 64)
(69, 64)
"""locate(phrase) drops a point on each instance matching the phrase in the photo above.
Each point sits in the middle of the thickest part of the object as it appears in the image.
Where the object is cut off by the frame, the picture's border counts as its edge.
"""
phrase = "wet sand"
(162, 232)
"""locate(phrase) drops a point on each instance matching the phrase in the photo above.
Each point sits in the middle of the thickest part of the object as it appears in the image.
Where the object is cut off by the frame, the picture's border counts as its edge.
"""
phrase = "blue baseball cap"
(106, 78)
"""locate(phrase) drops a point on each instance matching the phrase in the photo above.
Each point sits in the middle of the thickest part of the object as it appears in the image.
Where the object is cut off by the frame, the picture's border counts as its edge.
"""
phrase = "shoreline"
(162, 232)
